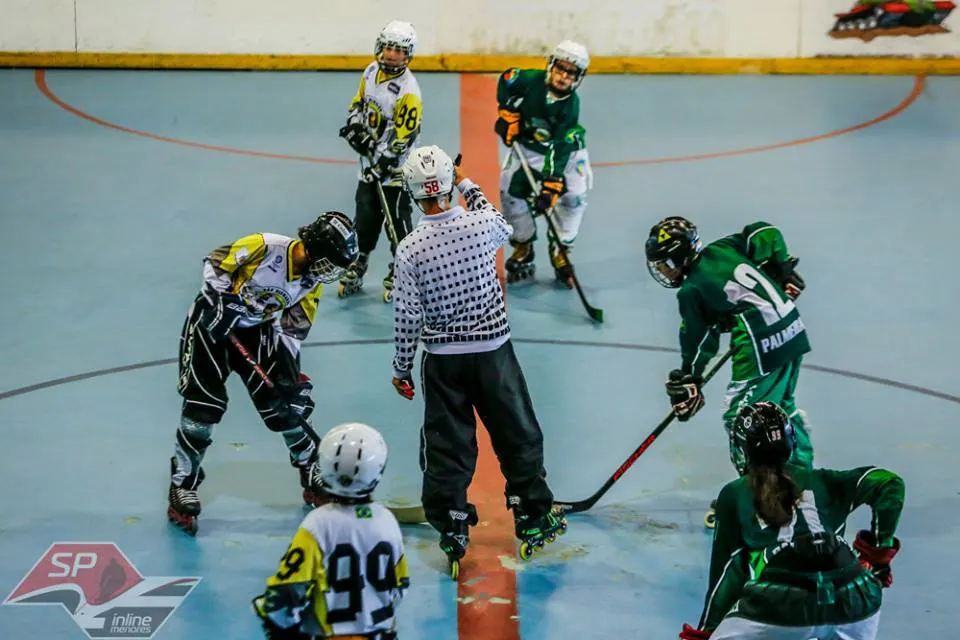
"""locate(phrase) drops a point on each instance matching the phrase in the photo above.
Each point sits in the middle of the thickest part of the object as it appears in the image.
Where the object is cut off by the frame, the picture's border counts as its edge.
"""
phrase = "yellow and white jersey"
(259, 268)
(391, 107)
(353, 558)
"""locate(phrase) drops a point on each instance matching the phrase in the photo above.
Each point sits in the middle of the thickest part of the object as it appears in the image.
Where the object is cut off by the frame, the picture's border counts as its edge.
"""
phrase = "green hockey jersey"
(548, 126)
(727, 285)
(743, 545)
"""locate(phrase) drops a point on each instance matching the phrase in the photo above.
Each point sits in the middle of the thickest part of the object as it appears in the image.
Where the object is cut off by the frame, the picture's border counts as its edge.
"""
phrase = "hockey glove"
(550, 192)
(684, 392)
(787, 277)
(295, 399)
(507, 125)
(404, 385)
(727, 323)
(358, 138)
(220, 316)
(689, 633)
(875, 558)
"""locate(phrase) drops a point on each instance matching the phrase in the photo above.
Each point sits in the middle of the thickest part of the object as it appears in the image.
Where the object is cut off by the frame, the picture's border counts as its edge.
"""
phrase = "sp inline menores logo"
(101, 590)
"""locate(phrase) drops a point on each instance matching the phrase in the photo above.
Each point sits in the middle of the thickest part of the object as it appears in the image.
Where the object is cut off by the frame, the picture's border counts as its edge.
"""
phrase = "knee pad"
(196, 430)
(300, 445)
(198, 435)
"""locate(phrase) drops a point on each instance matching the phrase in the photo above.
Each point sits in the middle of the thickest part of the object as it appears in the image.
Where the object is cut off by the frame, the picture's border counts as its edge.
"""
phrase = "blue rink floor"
(103, 232)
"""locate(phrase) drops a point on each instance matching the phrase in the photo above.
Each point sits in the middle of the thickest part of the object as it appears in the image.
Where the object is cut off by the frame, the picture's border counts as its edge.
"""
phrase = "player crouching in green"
(780, 567)
(745, 284)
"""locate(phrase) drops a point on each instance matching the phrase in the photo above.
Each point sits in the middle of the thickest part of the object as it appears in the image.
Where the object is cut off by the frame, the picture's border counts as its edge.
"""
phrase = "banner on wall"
(870, 19)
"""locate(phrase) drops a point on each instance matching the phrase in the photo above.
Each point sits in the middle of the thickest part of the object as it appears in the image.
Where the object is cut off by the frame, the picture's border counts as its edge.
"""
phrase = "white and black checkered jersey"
(446, 291)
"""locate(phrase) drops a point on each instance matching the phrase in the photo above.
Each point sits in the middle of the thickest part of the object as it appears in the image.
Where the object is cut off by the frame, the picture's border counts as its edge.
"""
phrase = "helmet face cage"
(670, 277)
(396, 35)
(331, 245)
(671, 247)
(325, 271)
(573, 54)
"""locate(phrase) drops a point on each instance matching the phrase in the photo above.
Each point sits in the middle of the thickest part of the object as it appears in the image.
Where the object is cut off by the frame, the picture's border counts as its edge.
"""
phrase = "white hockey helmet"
(351, 458)
(397, 35)
(573, 53)
(428, 173)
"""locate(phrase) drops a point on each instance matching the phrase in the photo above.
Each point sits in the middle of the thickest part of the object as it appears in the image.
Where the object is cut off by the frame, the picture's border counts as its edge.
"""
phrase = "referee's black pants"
(493, 384)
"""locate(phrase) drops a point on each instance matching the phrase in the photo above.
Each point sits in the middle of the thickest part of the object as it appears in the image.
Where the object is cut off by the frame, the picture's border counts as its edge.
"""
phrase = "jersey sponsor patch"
(393, 88)
(510, 75)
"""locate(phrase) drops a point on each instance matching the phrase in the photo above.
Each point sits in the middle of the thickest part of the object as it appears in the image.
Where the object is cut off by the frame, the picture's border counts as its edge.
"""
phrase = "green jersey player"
(539, 109)
(780, 567)
(746, 284)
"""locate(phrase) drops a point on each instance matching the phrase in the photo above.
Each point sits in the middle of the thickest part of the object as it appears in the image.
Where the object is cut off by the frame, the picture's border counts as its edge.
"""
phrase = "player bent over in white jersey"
(263, 291)
(345, 572)
(383, 124)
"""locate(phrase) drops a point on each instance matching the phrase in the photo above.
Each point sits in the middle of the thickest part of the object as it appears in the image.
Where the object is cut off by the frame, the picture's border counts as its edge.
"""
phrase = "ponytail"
(775, 494)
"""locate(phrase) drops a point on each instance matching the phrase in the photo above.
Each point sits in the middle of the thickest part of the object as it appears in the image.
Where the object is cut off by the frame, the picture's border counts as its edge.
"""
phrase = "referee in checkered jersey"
(447, 295)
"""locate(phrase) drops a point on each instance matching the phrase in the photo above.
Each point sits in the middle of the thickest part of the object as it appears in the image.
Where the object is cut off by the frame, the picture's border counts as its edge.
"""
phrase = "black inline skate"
(455, 540)
(519, 265)
(536, 532)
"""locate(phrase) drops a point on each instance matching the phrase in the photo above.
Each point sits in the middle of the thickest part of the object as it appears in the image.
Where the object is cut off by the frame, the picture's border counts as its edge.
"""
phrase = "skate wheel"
(710, 519)
(526, 551)
(454, 569)
(342, 291)
(388, 296)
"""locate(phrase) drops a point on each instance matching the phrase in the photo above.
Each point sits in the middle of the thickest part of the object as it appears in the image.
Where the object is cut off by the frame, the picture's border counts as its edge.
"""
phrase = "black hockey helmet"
(331, 244)
(671, 248)
(764, 434)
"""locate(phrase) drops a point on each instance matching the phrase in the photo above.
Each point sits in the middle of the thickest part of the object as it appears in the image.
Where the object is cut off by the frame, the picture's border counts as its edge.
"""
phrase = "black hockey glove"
(550, 192)
(294, 401)
(220, 316)
(787, 277)
(358, 138)
(875, 558)
(684, 392)
(727, 323)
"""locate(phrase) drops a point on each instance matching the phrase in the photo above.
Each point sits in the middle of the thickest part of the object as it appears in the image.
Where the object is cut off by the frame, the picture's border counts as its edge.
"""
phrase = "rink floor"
(115, 184)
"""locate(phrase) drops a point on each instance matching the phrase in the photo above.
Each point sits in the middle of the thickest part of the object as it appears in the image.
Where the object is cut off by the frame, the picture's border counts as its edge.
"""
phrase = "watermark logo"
(101, 590)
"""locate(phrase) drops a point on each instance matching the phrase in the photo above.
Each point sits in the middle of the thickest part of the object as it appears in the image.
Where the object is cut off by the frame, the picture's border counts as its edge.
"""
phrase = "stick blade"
(595, 314)
(408, 515)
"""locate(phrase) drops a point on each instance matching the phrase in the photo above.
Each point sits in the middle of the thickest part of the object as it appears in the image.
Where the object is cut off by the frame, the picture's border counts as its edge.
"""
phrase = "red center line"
(487, 590)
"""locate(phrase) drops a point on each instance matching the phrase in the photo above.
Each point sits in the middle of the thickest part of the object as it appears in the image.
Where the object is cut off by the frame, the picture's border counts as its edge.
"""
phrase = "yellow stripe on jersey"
(303, 563)
(229, 258)
(298, 319)
(357, 101)
(402, 573)
(406, 116)
(310, 302)
(290, 275)
(240, 259)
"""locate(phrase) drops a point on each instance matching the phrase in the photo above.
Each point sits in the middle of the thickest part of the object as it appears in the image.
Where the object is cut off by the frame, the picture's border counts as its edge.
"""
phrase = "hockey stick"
(594, 313)
(404, 515)
(391, 229)
(583, 505)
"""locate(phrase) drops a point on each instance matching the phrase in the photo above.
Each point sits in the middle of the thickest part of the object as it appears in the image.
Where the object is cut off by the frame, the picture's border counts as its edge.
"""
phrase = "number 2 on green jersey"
(744, 289)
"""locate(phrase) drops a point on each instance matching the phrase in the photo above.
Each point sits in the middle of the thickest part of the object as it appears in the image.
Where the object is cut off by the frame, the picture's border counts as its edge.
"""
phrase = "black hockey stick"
(404, 515)
(595, 313)
(583, 505)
